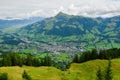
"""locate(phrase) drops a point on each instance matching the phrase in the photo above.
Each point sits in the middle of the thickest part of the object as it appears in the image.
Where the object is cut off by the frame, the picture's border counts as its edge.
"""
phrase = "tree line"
(14, 59)
(95, 54)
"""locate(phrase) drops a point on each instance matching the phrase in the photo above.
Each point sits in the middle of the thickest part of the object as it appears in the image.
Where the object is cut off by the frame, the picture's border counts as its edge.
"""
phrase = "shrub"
(4, 76)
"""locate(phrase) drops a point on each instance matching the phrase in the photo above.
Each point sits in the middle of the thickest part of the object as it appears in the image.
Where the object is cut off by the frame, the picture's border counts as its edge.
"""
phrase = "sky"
(19, 9)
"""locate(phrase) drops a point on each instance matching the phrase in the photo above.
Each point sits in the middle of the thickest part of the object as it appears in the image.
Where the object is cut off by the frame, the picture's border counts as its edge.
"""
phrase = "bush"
(4, 76)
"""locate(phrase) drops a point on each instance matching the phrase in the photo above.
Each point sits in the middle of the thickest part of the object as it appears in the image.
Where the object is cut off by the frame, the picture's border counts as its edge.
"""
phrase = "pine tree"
(6, 60)
(26, 76)
(108, 75)
(94, 54)
(20, 62)
(47, 61)
(36, 62)
(99, 74)
(15, 59)
(85, 56)
(29, 60)
(75, 59)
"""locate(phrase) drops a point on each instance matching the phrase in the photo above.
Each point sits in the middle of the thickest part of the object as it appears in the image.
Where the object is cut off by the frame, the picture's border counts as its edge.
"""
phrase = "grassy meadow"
(81, 71)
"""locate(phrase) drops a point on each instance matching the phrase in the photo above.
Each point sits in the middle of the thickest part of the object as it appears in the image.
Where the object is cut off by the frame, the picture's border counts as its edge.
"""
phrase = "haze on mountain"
(10, 23)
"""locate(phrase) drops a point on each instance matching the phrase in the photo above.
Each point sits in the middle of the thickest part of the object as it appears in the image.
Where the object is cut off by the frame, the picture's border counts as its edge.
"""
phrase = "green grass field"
(82, 71)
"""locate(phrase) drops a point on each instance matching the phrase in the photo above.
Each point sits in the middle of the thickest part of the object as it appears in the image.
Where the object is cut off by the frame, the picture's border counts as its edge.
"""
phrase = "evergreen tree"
(6, 60)
(99, 74)
(75, 59)
(20, 62)
(85, 56)
(47, 61)
(42, 62)
(68, 65)
(29, 60)
(16, 60)
(36, 62)
(108, 75)
(94, 54)
(26, 76)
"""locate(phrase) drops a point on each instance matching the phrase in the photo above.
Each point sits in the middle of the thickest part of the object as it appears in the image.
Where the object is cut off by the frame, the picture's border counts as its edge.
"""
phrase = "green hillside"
(88, 32)
(82, 71)
(63, 33)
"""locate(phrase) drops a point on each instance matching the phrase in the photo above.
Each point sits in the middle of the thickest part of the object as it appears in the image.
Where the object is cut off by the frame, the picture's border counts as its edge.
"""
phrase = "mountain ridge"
(70, 28)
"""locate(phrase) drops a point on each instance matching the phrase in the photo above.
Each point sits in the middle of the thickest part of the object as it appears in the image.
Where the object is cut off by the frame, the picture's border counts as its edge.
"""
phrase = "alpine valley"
(64, 33)
(63, 47)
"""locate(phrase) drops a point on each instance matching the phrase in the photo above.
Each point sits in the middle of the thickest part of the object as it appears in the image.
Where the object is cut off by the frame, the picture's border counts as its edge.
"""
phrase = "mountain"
(86, 32)
(8, 23)
(8, 42)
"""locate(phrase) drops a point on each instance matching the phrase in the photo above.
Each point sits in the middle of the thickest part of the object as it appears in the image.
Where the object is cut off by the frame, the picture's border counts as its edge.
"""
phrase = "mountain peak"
(61, 14)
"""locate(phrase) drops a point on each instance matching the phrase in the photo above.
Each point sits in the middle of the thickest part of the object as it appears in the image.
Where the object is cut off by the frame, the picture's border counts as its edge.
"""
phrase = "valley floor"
(81, 71)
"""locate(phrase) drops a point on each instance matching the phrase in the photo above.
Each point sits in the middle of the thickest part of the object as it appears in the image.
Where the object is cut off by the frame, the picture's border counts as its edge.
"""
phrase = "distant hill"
(88, 32)
(18, 22)
(82, 71)
(8, 41)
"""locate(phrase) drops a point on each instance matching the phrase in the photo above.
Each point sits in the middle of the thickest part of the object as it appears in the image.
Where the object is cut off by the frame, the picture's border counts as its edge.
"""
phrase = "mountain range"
(87, 32)
(62, 33)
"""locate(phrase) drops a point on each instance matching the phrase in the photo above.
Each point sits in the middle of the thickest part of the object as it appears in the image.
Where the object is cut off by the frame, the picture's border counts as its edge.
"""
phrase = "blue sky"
(18, 9)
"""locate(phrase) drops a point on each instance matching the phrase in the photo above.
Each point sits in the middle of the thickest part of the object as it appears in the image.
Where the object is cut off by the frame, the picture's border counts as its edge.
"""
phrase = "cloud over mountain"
(47, 8)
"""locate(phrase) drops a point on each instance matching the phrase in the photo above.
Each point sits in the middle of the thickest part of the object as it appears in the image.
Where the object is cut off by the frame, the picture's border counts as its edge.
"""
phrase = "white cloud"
(47, 8)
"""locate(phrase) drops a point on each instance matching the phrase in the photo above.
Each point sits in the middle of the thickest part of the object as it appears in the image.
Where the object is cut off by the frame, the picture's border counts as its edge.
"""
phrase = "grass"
(86, 71)
(116, 69)
(81, 71)
(62, 56)
(43, 73)
(42, 55)
(28, 51)
(14, 73)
